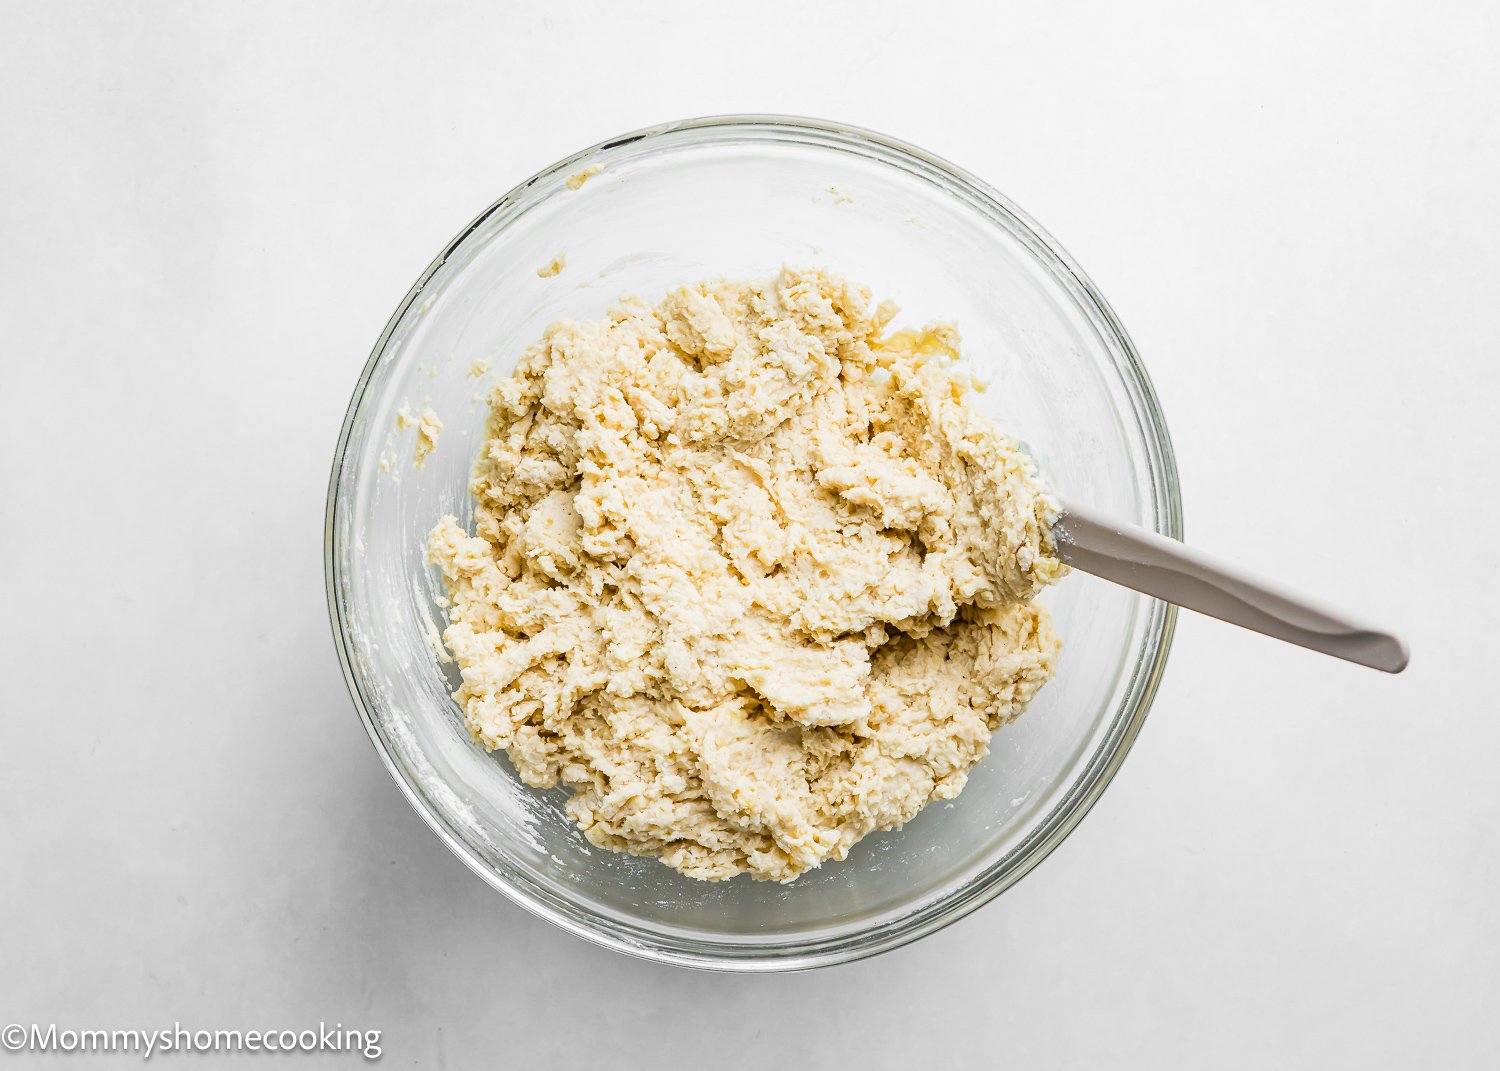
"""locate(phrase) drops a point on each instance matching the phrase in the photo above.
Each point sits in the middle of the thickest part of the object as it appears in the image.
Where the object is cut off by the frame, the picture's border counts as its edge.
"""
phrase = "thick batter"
(750, 577)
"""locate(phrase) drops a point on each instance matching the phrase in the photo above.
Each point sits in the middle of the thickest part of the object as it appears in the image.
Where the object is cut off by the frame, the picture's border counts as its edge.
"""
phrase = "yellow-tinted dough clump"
(748, 576)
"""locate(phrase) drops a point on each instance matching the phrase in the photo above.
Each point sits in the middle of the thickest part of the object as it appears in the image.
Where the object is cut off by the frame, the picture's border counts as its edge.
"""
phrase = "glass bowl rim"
(793, 953)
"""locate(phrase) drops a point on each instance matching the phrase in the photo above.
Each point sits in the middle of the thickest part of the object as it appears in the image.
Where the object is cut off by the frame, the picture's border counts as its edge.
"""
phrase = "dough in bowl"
(748, 575)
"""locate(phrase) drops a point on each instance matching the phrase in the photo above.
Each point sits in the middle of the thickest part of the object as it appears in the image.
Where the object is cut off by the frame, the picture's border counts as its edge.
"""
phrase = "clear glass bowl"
(738, 197)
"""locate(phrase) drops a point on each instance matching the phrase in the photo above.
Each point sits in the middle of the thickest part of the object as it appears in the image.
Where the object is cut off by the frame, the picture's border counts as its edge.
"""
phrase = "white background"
(207, 213)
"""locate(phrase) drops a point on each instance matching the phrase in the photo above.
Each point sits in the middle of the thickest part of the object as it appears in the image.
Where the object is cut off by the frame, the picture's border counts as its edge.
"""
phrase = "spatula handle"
(1177, 573)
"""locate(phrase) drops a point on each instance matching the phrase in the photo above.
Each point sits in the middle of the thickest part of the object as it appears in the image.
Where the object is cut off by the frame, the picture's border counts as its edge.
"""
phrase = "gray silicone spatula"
(1177, 573)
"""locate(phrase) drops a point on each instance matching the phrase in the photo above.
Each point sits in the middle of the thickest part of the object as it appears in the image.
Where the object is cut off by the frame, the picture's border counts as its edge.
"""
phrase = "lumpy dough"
(749, 576)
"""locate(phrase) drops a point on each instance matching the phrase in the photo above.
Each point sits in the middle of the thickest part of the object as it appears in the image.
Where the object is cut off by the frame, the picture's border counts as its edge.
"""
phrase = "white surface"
(207, 212)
